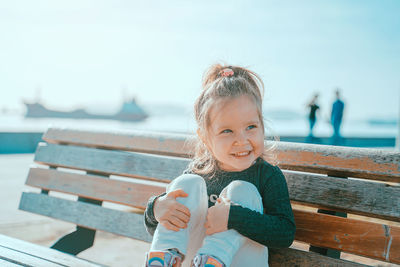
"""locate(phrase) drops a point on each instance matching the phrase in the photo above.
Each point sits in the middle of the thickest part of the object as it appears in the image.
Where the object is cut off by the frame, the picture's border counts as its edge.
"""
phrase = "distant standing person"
(336, 116)
(312, 117)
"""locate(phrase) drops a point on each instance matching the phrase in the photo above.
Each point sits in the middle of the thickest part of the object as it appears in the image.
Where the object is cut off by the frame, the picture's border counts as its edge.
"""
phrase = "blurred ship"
(129, 111)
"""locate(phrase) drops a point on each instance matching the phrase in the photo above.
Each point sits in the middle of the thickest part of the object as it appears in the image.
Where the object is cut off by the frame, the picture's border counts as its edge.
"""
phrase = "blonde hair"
(217, 85)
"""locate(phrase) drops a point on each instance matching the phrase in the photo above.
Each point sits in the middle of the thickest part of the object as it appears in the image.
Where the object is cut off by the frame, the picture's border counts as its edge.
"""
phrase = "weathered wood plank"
(23, 259)
(8, 263)
(333, 160)
(172, 144)
(28, 254)
(133, 193)
(363, 238)
(291, 257)
(95, 217)
(375, 164)
(351, 196)
(109, 162)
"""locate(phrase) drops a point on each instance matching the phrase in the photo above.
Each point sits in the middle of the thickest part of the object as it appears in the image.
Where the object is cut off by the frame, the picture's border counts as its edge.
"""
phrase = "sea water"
(184, 123)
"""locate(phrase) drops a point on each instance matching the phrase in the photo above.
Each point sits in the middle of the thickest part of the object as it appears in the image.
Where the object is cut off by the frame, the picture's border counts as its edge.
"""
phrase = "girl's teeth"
(242, 154)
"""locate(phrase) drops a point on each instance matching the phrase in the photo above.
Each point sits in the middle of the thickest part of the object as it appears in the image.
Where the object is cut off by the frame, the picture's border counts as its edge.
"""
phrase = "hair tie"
(227, 72)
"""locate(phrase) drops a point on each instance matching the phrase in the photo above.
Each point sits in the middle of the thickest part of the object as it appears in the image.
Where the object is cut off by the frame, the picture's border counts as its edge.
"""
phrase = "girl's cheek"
(225, 139)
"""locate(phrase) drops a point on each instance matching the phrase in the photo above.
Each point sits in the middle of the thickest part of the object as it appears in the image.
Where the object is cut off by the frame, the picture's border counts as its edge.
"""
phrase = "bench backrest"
(123, 169)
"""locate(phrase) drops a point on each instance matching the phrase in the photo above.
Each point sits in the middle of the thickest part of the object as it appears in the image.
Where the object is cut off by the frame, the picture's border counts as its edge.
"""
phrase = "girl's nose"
(241, 138)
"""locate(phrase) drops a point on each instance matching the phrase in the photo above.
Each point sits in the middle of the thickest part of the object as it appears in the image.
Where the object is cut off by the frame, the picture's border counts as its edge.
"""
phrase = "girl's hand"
(170, 213)
(217, 217)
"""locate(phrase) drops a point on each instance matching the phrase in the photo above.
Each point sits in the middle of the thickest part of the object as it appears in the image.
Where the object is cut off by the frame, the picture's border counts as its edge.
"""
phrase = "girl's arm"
(276, 227)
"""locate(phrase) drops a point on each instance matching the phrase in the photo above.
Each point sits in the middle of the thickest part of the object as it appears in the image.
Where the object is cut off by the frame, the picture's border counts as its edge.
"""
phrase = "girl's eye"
(251, 127)
(226, 131)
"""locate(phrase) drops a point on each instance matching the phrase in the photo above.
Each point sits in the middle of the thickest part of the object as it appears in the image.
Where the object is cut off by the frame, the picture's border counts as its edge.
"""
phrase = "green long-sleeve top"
(274, 228)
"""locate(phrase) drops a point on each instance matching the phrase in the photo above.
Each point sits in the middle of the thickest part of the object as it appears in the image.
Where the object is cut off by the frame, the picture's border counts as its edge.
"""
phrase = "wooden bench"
(15, 252)
(116, 167)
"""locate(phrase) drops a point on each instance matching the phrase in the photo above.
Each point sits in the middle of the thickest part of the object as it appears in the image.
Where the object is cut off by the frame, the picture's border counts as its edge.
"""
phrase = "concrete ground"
(108, 249)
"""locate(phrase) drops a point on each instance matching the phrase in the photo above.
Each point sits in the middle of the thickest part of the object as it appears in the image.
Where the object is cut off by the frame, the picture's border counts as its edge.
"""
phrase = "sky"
(85, 53)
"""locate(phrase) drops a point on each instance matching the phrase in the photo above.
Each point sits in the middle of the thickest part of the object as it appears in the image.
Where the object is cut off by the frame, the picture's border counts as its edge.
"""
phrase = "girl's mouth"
(241, 154)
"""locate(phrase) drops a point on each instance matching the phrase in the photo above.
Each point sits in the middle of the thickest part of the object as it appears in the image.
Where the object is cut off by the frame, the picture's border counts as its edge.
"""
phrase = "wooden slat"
(111, 162)
(288, 257)
(133, 193)
(351, 196)
(6, 263)
(23, 259)
(95, 217)
(172, 144)
(27, 254)
(366, 163)
(333, 160)
(363, 238)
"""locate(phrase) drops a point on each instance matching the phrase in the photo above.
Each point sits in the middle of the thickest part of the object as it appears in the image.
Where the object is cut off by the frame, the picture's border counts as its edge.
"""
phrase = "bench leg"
(326, 251)
(79, 240)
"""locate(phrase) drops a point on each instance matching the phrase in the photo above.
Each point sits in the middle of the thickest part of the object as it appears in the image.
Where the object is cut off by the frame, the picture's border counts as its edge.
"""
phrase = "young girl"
(231, 204)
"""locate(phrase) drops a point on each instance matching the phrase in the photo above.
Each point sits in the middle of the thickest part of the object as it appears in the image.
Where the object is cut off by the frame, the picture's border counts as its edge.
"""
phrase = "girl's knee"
(195, 187)
(238, 187)
(244, 194)
(187, 182)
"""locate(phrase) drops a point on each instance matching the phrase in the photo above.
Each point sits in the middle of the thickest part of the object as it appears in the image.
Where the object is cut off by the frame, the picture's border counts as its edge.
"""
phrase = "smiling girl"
(230, 205)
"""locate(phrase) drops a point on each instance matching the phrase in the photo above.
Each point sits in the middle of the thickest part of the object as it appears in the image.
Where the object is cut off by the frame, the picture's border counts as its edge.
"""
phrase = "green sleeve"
(150, 221)
(276, 227)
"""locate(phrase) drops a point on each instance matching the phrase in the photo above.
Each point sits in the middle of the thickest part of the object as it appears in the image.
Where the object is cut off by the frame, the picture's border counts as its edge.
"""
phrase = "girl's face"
(235, 135)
